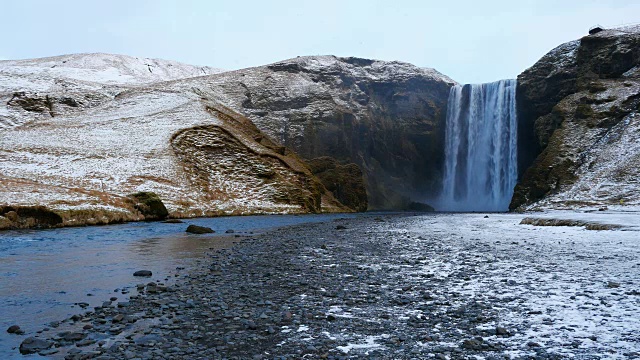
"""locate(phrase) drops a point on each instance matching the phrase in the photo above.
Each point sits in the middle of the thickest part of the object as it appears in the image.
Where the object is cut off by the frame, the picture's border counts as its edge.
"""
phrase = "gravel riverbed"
(439, 286)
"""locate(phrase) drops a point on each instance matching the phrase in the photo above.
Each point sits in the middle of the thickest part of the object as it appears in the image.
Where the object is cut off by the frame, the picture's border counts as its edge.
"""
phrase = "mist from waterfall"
(481, 167)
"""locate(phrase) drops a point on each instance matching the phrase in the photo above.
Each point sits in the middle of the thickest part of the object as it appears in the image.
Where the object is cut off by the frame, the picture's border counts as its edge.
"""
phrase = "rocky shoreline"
(380, 287)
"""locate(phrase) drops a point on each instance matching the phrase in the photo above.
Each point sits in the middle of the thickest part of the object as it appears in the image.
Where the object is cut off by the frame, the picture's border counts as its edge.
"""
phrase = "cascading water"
(481, 167)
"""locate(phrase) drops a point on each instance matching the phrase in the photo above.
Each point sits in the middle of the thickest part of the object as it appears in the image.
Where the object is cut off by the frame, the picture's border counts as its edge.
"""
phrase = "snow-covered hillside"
(108, 69)
(79, 81)
(81, 132)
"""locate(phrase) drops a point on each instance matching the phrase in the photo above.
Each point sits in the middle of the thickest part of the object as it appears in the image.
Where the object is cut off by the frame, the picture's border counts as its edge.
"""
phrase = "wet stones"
(72, 336)
(32, 345)
(152, 288)
(85, 342)
(473, 344)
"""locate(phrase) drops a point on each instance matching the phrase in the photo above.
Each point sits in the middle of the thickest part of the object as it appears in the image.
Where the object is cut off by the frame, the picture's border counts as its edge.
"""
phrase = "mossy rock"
(595, 87)
(584, 111)
(345, 181)
(150, 205)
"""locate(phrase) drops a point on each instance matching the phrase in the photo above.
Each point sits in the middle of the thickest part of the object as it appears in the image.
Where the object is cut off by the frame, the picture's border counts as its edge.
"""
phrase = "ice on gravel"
(573, 290)
(565, 292)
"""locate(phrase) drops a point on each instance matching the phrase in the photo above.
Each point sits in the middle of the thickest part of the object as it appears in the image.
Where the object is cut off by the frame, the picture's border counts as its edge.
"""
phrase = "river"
(44, 273)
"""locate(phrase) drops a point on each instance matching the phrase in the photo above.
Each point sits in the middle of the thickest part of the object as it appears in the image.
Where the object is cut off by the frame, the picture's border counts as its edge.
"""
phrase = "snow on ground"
(368, 343)
(121, 147)
(569, 290)
(609, 168)
(115, 141)
(420, 286)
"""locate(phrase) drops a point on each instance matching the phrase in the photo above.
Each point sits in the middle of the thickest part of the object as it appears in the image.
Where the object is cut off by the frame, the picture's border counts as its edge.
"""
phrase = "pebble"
(15, 329)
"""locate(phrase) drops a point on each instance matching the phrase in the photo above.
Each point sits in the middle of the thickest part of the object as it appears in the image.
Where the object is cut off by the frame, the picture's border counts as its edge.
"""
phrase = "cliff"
(579, 124)
(84, 135)
(385, 117)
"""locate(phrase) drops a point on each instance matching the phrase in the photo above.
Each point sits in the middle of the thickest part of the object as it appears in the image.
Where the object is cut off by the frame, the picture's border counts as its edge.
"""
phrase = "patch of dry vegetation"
(566, 222)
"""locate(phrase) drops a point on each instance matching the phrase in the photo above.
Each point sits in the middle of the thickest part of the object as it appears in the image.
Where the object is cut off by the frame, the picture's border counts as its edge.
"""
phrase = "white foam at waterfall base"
(480, 148)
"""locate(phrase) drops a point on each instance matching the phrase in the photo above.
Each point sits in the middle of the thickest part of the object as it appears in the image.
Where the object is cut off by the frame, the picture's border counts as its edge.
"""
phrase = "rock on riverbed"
(33, 345)
(195, 229)
(143, 273)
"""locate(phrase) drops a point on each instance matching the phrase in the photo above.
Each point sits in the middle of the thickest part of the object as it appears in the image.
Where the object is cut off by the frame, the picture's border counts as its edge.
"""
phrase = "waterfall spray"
(480, 147)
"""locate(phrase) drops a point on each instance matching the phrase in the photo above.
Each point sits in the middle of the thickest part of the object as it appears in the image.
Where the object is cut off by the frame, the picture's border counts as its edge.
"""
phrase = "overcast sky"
(470, 41)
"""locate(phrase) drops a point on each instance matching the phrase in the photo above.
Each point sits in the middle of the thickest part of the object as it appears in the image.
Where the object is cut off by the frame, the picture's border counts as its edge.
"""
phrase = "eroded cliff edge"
(579, 124)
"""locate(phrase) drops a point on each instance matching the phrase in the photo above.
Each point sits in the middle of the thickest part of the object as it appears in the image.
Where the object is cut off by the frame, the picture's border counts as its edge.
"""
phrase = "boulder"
(32, 345)
(195, 229)
(150, 205)
(143, 273)
(15, 329)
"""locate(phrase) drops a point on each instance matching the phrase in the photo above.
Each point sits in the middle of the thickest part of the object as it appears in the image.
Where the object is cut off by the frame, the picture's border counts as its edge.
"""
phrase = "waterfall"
(480, 147)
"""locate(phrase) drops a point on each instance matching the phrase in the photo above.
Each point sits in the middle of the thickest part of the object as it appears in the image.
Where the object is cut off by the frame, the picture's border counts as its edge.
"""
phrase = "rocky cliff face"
(385, 117)
(578, 113)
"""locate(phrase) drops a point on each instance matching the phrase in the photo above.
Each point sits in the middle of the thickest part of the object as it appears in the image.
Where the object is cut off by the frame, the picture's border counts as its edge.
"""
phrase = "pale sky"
(470, 41)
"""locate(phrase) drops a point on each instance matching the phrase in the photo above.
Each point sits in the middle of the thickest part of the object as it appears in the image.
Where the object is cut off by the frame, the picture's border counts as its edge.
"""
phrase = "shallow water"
(44, 272)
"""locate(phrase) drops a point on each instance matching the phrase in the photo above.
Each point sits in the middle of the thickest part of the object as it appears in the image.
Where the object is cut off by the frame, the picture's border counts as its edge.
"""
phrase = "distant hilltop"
(100, 68)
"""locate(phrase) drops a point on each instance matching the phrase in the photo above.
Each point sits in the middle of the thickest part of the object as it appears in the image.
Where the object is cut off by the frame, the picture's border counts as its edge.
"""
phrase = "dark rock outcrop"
(420, 207)
(32, 102)
(345, 181)
(386, 117)
(577, 110)
(539, 89)
(22, 217)
(150, 205)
